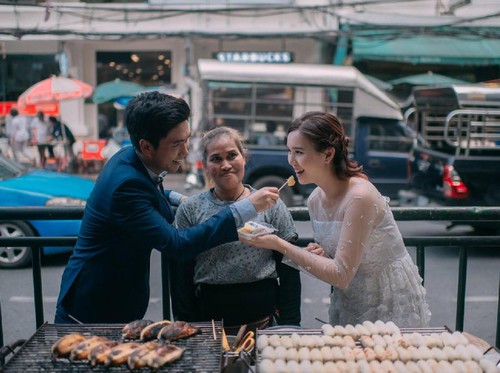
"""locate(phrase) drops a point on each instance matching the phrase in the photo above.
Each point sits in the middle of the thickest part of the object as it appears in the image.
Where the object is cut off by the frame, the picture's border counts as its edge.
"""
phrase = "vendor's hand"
(267, 241)
(314, 248)
(264, 198)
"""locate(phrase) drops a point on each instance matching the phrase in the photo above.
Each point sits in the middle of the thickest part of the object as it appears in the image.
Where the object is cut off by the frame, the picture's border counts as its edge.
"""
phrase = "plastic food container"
(252, 229)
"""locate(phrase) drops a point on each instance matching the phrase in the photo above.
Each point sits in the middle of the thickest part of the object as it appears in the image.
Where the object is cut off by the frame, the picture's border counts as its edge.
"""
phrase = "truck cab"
(459, 162)
(261, 100)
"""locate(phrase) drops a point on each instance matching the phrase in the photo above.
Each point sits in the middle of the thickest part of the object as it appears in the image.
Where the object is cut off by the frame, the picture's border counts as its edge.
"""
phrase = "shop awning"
(428, 50)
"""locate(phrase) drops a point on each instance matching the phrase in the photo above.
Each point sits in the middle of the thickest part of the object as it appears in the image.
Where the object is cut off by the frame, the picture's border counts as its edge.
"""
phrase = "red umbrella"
(54, 89)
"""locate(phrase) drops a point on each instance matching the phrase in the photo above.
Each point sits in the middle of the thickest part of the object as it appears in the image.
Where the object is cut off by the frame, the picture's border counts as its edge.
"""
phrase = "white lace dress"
(373, 276)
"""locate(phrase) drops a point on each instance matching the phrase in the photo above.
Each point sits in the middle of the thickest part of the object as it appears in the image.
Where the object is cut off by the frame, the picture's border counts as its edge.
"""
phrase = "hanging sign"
(255, 57)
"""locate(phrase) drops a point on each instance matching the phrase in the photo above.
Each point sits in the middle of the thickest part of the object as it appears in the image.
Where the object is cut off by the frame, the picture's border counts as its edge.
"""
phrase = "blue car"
(22, 186)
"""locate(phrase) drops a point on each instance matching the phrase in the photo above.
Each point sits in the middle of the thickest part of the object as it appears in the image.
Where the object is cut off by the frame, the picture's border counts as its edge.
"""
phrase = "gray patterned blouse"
(233, 262)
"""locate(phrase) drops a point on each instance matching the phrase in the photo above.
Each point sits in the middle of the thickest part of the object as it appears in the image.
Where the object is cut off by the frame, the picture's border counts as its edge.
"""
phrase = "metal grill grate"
(202, 354)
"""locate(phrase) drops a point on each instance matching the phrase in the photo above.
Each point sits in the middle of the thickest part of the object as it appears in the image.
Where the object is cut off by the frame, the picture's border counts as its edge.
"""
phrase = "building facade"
(158, 43)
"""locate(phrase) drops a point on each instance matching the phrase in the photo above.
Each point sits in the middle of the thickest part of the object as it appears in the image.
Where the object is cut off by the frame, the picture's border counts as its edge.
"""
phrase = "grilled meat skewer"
(137, 359)
(120, 353)
(133, 329)
(99, 353)
(151, 331)
(63, 347)
(163, 355)
(81, 350)
(177, 330)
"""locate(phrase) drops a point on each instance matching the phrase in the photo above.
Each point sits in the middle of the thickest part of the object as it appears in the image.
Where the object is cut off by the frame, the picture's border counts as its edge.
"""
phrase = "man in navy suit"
(128, 215)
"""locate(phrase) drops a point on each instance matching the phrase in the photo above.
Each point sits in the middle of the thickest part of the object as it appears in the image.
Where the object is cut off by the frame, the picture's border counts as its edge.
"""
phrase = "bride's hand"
(314, 248)
(268, 241)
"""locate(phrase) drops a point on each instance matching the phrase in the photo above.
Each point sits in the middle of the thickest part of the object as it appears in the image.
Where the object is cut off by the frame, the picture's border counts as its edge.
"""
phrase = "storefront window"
(18, 72)
(146, 68)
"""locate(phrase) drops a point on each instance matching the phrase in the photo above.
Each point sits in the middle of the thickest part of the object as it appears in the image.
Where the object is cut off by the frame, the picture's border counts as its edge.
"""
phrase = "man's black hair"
(152, 115)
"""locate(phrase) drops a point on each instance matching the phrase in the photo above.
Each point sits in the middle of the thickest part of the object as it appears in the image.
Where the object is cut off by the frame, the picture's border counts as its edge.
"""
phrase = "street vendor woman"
(128, 214)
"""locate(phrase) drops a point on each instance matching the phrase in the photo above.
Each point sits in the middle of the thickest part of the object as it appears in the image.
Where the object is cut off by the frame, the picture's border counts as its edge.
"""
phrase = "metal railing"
(464, 243)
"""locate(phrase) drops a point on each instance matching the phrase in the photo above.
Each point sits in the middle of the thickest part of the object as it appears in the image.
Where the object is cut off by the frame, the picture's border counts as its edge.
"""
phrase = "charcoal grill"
(202, 354)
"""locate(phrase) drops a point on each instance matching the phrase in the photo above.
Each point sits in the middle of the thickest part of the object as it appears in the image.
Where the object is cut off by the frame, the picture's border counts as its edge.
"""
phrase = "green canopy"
(427, 79)
(447, 50)
(115, 89)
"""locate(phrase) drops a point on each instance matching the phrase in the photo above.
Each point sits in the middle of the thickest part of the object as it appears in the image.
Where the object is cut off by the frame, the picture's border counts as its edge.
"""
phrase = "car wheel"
(286, 194)
(15, 257)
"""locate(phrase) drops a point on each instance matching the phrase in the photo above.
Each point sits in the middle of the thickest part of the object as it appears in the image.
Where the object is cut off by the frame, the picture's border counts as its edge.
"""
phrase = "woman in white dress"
(359, 249)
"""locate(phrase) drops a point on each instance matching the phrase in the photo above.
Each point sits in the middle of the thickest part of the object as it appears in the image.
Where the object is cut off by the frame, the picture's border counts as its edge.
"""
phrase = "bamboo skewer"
(213, 329)
(290, 182)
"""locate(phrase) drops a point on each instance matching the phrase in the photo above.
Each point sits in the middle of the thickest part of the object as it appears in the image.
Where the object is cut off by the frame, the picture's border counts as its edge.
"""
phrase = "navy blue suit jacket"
(126, 217)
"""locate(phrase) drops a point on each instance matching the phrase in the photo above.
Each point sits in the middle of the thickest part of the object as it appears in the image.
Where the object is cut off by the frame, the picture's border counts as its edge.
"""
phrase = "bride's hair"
(325, 131)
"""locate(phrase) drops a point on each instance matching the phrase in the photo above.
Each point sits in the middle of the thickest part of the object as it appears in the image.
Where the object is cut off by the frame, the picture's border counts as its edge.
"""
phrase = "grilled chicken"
(162, 355)
(63, 347)
(120, 353)
(81, 350)
(136, 359)
(151, 331)
(133, 330)
(177, 330)
(99, 353)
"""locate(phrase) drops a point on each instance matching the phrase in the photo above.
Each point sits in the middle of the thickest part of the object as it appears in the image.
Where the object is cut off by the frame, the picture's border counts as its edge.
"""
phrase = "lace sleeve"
(362, 212)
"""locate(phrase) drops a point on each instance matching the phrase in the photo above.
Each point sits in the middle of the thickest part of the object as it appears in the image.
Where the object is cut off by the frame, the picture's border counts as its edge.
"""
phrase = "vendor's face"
(171, 150)
(225, 163)
(309, 164)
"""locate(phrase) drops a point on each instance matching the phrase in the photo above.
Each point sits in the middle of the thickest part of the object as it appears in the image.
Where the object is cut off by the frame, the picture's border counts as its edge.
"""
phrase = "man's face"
(171, 150)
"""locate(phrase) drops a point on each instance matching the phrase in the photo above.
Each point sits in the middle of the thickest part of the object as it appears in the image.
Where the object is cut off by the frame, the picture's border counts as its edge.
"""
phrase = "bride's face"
(308, 163)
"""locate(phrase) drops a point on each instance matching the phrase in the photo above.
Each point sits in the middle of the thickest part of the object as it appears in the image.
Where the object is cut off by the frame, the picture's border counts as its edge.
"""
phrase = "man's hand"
(264, 198)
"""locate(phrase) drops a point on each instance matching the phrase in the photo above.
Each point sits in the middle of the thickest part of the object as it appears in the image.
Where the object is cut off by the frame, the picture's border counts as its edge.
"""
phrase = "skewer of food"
(290, 182)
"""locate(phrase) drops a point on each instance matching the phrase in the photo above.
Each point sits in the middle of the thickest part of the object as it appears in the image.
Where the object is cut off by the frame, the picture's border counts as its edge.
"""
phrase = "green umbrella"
(110, 91)
(427, 79)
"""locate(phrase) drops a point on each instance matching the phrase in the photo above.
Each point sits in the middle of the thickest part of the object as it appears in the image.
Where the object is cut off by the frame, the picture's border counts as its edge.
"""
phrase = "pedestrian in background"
(19, 136)
(62, 138)
(40, 135)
